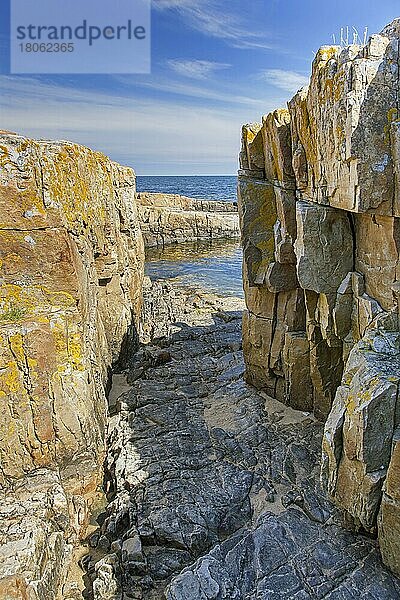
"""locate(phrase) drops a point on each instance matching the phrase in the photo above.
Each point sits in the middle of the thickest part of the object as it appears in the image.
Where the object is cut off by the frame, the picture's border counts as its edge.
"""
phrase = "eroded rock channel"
(213, 487)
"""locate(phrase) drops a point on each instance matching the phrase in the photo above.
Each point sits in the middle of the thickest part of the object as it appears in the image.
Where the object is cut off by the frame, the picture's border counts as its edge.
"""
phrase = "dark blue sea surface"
(213, 266)
(207, 187)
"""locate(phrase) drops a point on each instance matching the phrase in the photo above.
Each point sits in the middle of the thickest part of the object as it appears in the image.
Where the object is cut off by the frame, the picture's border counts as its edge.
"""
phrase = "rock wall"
(319, 209)
(71, 268)
(169, 219)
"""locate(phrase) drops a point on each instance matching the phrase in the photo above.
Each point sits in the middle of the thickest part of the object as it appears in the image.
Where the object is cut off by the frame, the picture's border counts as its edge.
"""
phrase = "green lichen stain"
(13, 314)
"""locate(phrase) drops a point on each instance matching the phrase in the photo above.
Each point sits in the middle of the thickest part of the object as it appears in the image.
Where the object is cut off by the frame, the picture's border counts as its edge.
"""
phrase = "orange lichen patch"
(331, 84)
(60, 299)
(10, 379)
(16, 346)
(326, 53)
(393, 116)
(281, 116)
(250, 132)
(339, 85)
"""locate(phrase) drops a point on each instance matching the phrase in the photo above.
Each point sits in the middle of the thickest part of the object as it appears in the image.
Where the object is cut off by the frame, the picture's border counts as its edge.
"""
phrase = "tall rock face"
(320, 218)
(71, 268)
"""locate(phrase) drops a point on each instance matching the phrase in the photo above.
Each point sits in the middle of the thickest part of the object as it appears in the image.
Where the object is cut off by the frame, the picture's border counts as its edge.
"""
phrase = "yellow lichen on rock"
(68, 224)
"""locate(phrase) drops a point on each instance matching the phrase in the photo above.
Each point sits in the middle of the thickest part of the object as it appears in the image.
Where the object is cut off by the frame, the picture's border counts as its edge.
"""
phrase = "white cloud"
(196, 69)
(216, 19)
(152, 135)
(188, 90)
(290, 81)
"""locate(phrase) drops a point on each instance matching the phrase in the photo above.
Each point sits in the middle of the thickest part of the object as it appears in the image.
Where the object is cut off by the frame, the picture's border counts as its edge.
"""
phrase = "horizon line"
(190, 175)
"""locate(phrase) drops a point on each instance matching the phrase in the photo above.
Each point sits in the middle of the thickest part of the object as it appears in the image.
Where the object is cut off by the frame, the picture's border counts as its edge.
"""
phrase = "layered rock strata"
(319, 209)
(214, 487)
(71, 268)
(169, 219)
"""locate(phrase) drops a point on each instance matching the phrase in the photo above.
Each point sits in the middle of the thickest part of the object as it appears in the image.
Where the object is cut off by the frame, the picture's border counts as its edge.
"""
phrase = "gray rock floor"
(215, 488)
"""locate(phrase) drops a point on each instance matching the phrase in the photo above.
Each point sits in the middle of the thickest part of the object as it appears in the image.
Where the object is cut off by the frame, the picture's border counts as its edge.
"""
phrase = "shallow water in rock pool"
(215, 266)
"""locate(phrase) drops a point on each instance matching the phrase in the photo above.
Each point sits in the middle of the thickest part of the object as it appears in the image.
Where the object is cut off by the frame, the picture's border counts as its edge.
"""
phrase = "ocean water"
(214, 266)
(208, 187)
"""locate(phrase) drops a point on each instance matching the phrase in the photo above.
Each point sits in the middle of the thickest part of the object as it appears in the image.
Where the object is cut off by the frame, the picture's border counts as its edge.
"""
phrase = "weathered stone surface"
(358, 437)
(296, 367)
(323, 247)
(257, 340)
(389, 515)
(252, 154)
(71, 275)
(257, 214)
(281, 277)
(170, 219)
(333, 162)
(283, 557)
(215, 488)
(277, 148)
(377, 256)
(35, 525)
(341, 126)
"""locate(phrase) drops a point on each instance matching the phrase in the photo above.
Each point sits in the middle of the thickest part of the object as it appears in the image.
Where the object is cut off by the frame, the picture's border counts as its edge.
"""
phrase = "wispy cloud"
(216, 18)
(196, 69)
(290, 81)
(191, 90)
(189, 138)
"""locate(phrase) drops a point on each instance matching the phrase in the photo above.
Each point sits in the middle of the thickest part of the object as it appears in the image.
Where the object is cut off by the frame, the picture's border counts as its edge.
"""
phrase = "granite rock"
(214, 488)
(71, 273)
(328, 205)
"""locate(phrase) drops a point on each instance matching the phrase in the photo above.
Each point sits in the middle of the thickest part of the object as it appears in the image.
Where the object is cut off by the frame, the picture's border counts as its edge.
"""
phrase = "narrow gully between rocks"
(213, 487)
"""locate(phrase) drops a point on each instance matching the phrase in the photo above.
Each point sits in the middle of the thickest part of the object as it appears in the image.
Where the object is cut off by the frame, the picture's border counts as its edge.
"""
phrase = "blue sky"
(215, 65)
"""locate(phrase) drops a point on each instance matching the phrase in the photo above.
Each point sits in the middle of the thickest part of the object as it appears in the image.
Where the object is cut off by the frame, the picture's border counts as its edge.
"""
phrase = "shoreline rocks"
(72, 266)
(318, 202)
(214, 488)
(171, 219)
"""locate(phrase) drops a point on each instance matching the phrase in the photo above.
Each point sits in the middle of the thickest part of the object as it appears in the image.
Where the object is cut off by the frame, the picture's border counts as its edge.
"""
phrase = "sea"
(215, 266)
(205, 187)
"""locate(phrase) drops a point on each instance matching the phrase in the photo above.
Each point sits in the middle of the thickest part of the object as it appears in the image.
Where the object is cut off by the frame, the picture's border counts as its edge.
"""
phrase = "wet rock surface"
(214, 488)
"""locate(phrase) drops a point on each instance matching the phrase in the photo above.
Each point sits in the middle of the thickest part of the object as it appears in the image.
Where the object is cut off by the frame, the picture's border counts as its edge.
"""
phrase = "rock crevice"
(215, 487)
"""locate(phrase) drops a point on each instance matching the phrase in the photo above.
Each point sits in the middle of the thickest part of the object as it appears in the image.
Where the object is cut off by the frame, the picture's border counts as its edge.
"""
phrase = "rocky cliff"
(71, 268)
(319, 209)
(170, 219)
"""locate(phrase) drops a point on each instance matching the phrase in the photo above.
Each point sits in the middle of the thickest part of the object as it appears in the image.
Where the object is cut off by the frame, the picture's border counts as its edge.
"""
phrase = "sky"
(216, 64)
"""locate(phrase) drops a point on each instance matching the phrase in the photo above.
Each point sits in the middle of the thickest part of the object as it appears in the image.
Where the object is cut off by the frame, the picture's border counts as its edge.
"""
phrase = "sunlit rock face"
(319, 210)
(171, 219)
(71, 273)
